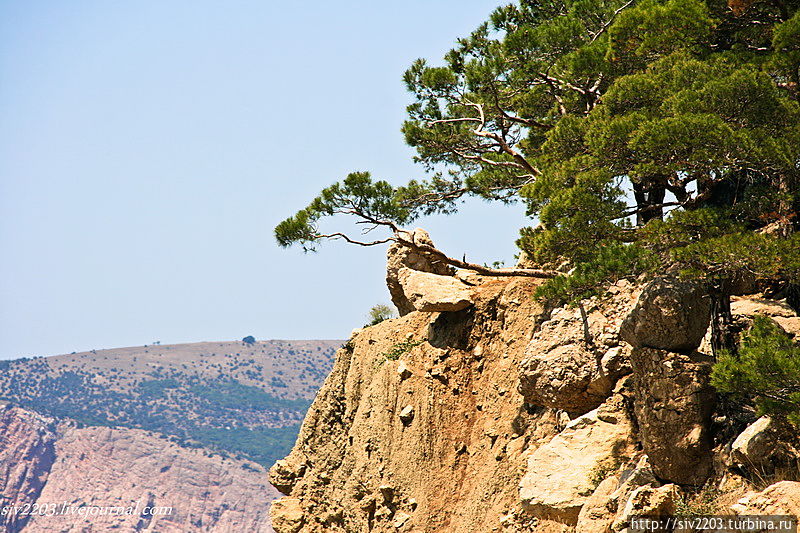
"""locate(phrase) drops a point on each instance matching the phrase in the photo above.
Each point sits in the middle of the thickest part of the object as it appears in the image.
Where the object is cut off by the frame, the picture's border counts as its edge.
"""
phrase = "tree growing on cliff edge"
(644, 135)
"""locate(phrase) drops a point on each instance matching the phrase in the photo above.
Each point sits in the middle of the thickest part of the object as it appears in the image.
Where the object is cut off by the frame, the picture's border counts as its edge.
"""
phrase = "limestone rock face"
(648, 501)
(669, 315)
(284, 473)
(565, 377)
(632, 490)
(673, 406)
(782, 498)
(100, 466)
(434, 293)
(760, 447)
(399, 256)
(572, 364)
(779, 311)
(507, 415)
(754, 444)
(559, 479)
(754, 305)
(456, 467)
(287, 515)
(597, 513)
(560, 369)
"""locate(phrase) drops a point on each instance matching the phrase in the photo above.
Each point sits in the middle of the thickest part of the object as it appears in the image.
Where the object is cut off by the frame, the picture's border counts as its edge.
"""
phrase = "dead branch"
(480, 269)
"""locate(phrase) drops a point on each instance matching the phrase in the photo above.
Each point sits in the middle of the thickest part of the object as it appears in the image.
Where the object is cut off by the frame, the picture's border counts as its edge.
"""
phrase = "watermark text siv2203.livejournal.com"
(84, 511)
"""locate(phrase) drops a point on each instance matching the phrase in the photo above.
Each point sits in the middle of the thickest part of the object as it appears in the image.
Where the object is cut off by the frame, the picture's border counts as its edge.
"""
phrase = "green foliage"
(654, 29)
(375, 199)
(262, 445)
(157, 388)
(612, 262)
(379, 313)
(716, 244)
(663, 130)
(766, 367)
(250, 340)
(400, 349)
(233, 395)
(786, 43)
(702, 503)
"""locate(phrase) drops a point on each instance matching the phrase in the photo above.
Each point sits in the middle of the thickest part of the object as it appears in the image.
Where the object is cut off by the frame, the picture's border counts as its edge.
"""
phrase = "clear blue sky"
(148, 148)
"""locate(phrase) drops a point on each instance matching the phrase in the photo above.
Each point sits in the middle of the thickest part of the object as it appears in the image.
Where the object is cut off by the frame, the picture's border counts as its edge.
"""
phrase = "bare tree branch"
(608, 23)
(343, 236)
(481, 132)
(405, 238)
(449, 120)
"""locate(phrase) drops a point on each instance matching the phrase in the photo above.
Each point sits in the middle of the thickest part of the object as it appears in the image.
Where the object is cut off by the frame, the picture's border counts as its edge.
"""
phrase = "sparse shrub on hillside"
(157, 388)
(701, 503)
(277, 382)
(766, 368)
(186, 405)
(263, 445)
(399, 349)
(232, 394)
(379, 313)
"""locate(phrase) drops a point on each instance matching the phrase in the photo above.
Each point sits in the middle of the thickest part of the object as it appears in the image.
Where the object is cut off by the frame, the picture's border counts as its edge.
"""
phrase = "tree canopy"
(643, 135)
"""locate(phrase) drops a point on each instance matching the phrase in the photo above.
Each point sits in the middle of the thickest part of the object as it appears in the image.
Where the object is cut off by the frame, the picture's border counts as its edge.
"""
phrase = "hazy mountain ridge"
(243, 398)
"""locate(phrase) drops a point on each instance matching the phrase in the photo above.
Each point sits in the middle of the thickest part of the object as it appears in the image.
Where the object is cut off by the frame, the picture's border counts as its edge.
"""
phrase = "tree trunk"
(722, 335)
(649, 198)
(793, 296)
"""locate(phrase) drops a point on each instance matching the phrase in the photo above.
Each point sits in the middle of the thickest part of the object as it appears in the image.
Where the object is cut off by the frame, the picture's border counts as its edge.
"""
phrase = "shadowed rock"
(673, 406)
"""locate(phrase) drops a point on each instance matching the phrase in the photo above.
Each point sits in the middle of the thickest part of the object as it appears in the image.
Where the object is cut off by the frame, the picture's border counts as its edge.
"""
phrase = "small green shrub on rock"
(767, 368)
(379, 313)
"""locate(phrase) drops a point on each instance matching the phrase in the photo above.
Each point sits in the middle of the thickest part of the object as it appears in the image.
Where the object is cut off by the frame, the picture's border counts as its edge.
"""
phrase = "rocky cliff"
(481, 409)
(64, 467)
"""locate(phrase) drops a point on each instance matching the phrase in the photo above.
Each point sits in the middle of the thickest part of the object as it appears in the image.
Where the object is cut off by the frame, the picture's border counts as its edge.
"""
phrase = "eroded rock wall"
(504, 415)
(454, 462)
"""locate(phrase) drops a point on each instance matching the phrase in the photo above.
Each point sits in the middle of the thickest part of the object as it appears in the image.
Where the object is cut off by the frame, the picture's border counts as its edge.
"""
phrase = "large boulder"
(399, 256)
(763, 446)
(284, 475)
(673, 404)
(648, 501)
(670, 315)
(432, 292)
(561, 370)
(565, 377)
(597, 513)
(561, 474)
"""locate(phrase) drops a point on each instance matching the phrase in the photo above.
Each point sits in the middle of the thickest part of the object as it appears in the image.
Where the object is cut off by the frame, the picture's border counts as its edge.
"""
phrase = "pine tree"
(644, 135)
(766, 367)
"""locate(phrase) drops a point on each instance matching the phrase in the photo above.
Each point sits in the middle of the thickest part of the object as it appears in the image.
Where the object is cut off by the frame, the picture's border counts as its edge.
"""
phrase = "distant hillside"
(46, 463)
(242, 398)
